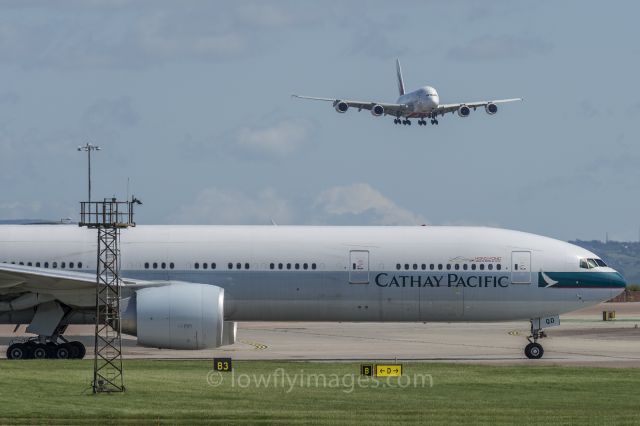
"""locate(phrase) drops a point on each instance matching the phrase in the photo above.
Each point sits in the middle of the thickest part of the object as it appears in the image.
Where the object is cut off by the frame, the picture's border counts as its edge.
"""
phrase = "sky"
(190, 103)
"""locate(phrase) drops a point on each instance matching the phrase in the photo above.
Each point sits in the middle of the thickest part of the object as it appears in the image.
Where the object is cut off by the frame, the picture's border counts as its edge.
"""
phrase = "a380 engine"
(464, 111)
(377, 110)
(491, 108)
(341, 106)
(178, 316)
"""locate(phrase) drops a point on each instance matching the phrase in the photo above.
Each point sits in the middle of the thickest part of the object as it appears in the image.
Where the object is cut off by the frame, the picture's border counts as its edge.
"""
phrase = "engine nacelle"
(341, 107)
(177, 316)
(377, 110)
(491, 108)
(464, 111)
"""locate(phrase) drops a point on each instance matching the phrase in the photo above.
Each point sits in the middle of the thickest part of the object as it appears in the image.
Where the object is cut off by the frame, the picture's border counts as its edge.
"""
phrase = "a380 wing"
(389, 109)
(445, 108)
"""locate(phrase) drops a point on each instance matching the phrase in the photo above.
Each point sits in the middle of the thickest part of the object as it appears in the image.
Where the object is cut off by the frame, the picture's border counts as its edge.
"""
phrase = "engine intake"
(491, 108)
(464, 111)
(177, 316)
(341, 107)
(377, 110)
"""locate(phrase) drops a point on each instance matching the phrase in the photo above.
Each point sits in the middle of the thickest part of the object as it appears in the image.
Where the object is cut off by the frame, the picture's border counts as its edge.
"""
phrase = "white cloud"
(226, 207)
(360, 201)
(279, 140)
(496, 47)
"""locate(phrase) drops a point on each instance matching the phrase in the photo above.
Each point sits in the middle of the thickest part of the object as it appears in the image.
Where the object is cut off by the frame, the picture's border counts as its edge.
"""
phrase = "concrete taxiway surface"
(582, 339)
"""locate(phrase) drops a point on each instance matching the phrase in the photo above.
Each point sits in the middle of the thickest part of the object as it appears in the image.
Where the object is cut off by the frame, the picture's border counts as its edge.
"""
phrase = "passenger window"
(398, 266)
(229, 265)
(279, 265)
(313, 266)
(63, 265)
(272, 266)
(21, 263)
(440, 266)
(482, 266)
(406, 266)
(54, 265)
(205, 265)
(213, 265)
(448, 266)
(164, 265)
(196, 265)
(79, 265)
(298, 266)
(171, 265)
(473, 266)
(305, 266)
(415, 266)
(423, 267)
(498, 266)
(146, 265)
(37, 264)
(155, 265)
(515, 267)
(465, 266)
(432, 266)
(288, 266)
(457, 266)
(238, 265)
(490, 266)
(28, 263)
(70, 265)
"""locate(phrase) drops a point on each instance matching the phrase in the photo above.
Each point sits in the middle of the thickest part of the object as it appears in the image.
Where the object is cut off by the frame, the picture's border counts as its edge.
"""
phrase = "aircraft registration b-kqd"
(421, 104)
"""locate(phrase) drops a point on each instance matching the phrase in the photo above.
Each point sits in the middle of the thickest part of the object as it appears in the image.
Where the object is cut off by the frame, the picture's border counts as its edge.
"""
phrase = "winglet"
(400, 81)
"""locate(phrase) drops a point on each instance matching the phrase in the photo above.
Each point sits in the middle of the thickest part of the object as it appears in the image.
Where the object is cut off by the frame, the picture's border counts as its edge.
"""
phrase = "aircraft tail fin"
(400, 81)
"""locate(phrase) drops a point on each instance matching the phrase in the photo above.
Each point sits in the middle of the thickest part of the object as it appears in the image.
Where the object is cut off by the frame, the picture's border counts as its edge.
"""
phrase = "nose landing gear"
(534, 349)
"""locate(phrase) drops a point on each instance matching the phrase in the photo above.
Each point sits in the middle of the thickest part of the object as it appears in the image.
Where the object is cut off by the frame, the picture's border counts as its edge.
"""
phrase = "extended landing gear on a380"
(534, 349)
(433, 121)
(422, 122)
(36, 349)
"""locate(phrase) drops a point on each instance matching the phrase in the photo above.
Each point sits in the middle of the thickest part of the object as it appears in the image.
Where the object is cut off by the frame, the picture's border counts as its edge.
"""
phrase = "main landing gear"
(406, 122)
(38, 348)
(534, 349)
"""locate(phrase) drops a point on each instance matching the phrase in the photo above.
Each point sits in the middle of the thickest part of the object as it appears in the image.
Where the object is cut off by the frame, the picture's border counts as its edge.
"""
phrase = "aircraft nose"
(617, 280)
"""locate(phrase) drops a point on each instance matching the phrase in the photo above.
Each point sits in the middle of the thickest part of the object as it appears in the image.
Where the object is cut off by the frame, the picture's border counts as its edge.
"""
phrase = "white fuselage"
(295, 273)
(421, 101)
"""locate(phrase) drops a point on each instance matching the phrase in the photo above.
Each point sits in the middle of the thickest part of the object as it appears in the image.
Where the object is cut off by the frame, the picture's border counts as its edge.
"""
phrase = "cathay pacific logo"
(548, 281)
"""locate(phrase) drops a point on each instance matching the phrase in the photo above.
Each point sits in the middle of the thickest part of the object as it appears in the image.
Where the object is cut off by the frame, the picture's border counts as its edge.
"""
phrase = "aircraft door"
(521, 267)
(359, 267)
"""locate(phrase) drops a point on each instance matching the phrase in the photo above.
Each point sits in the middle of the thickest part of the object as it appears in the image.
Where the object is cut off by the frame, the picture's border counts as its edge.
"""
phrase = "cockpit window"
(591, 263)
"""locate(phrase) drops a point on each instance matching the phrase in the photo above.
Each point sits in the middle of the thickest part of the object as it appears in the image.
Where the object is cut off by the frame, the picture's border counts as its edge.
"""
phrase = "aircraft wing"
(389, 109)
(445, 108)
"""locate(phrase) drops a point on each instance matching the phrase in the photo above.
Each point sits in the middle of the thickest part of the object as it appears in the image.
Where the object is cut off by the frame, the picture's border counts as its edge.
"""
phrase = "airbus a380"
(421, 104)
(186, 286)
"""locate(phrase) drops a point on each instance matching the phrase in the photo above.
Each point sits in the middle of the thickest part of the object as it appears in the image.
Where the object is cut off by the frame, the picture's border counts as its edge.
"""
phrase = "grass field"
(302, 392)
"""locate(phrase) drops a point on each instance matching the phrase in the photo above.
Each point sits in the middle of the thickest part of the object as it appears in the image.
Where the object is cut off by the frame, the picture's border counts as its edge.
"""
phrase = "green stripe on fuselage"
(581, 280)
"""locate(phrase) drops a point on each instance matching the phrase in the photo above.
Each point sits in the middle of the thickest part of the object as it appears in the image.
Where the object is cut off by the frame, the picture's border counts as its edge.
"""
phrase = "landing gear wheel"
(40, 351)
(534, 351)
(18, 351)
(78, 351)
(63, 351)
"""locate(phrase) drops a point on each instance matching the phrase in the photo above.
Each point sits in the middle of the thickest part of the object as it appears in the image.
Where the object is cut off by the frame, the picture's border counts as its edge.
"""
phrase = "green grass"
(178, 392)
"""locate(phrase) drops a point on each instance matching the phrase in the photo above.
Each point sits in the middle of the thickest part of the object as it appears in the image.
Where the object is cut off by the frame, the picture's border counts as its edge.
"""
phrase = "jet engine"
(340, 106)
(176, 316)
(464, 111)
(491, 108)
(377, 110)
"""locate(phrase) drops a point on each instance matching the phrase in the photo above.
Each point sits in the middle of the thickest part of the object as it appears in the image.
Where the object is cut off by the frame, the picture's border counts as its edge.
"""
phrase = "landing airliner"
(185, 286)
(422, 103)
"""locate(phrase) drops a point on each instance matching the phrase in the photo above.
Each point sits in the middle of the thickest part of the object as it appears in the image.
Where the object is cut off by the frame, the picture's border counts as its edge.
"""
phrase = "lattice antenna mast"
(109, 217)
